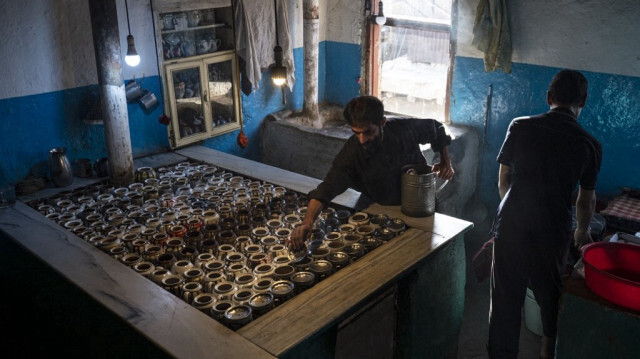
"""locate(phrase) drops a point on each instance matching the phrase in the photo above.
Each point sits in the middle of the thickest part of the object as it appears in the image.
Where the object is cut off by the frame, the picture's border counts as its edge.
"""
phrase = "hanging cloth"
(492, 36)
(256, 38)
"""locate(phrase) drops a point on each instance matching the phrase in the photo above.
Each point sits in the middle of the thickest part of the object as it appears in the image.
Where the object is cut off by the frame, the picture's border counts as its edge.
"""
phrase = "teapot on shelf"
(167, 22)
(172, 39)
(207, 45)
(208, 17)
(180, 21)
(193, 18)
(188, 48)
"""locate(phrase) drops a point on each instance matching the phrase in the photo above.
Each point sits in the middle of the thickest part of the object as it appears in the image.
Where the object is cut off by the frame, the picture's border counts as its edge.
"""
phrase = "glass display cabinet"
(199, 68)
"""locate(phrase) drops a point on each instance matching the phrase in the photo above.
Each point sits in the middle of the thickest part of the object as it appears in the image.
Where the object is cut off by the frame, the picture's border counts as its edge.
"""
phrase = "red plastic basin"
(612, 270)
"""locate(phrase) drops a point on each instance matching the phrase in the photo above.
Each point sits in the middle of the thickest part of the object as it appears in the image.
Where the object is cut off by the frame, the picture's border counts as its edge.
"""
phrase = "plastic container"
(612, 270)
(532, 318)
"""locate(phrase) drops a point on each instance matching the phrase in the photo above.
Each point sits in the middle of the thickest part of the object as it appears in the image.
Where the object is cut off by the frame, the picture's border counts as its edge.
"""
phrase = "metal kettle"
(59, 167)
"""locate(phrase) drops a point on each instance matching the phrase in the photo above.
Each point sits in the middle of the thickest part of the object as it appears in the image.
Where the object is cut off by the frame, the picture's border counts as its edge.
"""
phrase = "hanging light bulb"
(278, 72)
(380, 18)
(132, 59)
(279, 75)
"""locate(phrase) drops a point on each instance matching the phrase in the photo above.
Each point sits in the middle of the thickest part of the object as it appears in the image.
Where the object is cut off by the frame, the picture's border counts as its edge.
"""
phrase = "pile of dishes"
(216, 239)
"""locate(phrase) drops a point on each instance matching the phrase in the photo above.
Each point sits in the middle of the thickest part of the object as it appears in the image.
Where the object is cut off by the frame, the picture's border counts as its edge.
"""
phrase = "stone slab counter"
(88, 303)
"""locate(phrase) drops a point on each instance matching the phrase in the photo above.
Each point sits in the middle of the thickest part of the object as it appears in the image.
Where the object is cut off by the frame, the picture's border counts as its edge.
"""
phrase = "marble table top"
(185, 332)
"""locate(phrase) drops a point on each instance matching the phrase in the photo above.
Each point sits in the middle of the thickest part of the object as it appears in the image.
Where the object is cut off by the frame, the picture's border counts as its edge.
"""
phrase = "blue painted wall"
(342, 71)
(611, 114)
(55, 119)
(34, 124)
(256, 106)
(338, 73)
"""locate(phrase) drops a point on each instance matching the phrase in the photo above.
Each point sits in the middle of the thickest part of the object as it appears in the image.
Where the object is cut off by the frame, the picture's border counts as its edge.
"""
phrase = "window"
(411, 57)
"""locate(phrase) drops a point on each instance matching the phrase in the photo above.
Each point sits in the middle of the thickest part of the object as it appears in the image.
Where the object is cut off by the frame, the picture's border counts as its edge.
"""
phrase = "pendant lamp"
(278, 71)
(132, 59)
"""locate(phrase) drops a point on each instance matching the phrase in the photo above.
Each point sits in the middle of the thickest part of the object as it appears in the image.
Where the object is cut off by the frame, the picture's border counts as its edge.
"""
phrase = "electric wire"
(153, 23)
(126, 6)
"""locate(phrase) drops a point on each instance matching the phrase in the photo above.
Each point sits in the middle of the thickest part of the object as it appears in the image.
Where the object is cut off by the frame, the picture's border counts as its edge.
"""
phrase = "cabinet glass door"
(222, 93)
(195, 41)
(189, 112)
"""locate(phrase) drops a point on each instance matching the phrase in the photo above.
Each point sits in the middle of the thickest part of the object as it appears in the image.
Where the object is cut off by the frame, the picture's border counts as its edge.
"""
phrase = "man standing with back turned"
(542, 160)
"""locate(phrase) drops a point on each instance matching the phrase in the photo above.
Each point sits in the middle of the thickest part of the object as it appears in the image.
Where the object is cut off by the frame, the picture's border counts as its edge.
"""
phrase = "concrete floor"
(475, 323)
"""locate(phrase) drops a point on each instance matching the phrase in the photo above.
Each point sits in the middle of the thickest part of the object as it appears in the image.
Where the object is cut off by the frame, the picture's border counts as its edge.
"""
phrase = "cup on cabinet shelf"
(207, 17)
(167, 22)
(193, 18)
(180, 21)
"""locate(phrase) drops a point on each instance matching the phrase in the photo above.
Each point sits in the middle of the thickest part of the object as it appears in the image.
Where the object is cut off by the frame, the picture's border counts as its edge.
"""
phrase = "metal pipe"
(311, 22)
(106, 42)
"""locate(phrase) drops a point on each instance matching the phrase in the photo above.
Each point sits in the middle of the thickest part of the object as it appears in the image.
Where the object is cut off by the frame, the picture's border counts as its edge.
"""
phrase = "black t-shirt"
(377, 174)
(549, 155)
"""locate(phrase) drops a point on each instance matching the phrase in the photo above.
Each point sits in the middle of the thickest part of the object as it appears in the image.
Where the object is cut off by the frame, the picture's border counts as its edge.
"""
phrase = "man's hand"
(445, 171)
(298, 236)
(585, 207)
(444, 168)
(504, 180)
(582, 237)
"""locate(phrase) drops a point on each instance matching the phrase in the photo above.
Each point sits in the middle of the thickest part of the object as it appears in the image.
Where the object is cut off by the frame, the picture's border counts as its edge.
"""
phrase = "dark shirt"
(548, 154)
(377, 174)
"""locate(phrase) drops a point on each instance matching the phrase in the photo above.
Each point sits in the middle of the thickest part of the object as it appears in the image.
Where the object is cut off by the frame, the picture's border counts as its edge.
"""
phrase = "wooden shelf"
(223, 25)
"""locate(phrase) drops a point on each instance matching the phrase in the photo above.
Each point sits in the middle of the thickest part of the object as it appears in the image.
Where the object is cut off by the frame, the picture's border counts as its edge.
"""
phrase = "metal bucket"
(418, 190)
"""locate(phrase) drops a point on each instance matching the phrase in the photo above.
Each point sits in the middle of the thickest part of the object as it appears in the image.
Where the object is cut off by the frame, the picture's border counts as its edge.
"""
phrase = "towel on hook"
(256, 38)
(492, 36)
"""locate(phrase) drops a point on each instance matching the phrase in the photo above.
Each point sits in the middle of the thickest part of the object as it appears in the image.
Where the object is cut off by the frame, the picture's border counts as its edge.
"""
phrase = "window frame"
(371, 52)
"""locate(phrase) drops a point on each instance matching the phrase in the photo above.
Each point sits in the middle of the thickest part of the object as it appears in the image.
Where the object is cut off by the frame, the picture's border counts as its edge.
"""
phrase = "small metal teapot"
(60, 167)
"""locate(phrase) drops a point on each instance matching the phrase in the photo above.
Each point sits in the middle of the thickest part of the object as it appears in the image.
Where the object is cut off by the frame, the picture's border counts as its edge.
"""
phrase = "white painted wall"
(322, 26)
(588, 35)
(295, 22)
(340, 20)
(343, 21)
(141, 20)
(47, 45)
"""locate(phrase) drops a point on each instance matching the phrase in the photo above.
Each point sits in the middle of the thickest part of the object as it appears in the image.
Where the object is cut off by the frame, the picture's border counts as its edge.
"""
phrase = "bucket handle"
(441, 187)
(406, 167)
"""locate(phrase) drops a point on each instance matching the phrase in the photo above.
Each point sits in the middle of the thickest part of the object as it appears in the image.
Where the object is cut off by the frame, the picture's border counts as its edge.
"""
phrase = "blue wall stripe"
(611, 115)
(34, 124)
(257, 106)
(342, 71)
